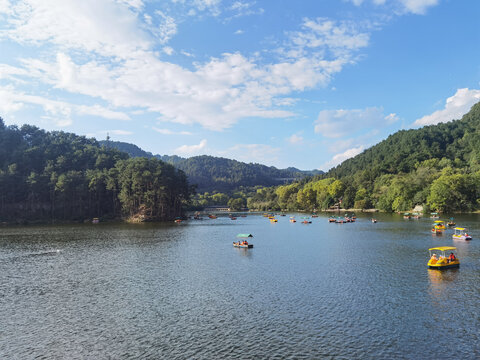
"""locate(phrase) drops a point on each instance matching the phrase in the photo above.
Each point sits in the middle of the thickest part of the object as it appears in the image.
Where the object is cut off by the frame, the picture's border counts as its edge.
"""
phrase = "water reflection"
(306, 292)
(442, 281)
(244, 252)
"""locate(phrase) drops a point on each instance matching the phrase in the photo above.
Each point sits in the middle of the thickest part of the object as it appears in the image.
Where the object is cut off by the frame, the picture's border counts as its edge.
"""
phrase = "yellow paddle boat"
(461, 234)
(439, 225)
(444, 260)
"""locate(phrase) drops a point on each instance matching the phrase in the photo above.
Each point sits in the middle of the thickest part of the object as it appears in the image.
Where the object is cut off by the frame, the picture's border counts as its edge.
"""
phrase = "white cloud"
(170, 132)
(120, 132)
(391, 118)
(418, 6)
(9, 103)
(339, 158)
(191, 149)
(295, 139)
(168, 50)
(103, 27)
(407, 6)
(259, 153)
(5, 7)
(339, 39)
(455, 107)
(117, 65)
(239, 32)
(59, 111)
(212, 6)
(136, 4)
(166, 29)
(100, 111)
(338, 123)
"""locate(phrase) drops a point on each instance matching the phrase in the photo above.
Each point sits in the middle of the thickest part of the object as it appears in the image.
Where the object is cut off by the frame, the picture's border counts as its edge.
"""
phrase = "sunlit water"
(181, 291)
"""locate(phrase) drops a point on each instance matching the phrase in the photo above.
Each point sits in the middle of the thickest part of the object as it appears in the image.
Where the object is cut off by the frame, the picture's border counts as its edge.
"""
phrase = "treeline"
(216, 174)
(52, 176)
(437, 167)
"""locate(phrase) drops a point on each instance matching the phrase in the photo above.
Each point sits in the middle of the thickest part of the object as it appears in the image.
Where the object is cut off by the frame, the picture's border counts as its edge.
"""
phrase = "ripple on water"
(304, 292)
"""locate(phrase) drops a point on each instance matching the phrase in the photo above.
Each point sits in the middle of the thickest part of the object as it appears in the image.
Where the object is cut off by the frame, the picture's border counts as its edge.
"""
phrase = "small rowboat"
(243, 243)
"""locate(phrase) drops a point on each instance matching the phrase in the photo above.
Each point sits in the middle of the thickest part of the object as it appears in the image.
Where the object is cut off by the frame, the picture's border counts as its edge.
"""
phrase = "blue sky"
(279, 82)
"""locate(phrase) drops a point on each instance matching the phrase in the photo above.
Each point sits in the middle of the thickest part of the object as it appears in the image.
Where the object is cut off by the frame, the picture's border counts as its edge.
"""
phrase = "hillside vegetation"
(51, 176)
(217, 174)
(436, 166)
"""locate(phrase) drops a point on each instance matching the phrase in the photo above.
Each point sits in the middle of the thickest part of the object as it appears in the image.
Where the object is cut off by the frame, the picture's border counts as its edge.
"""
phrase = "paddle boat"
(461, 234)
(242, 242)
(443, 261)
(451, 222)
(292, 219)
(439, 225)
(374, 221)
(273, 220)
(416, 216)
(331, 219)
(407, 216)
(434, 215)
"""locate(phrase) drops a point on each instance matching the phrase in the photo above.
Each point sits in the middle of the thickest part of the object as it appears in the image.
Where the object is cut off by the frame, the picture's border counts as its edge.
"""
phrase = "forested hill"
(437, 167)
(52, 176)
(458, 142)
(211, 173)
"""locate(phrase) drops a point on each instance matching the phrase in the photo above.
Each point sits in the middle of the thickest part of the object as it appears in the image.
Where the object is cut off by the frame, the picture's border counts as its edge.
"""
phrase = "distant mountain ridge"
(212, 173)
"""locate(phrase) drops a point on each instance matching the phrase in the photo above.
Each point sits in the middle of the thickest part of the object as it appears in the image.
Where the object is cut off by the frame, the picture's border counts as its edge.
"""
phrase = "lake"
(182, 291)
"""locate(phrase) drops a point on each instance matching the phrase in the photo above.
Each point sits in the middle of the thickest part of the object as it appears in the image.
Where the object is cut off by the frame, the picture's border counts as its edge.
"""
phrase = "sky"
(283, 83)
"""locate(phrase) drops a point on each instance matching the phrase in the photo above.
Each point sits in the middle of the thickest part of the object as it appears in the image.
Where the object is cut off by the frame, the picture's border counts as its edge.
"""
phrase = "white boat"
(461, 234)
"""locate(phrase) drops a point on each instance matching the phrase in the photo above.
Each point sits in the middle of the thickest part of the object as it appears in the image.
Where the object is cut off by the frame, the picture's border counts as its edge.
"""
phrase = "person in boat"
(451, 257)
(434, 257)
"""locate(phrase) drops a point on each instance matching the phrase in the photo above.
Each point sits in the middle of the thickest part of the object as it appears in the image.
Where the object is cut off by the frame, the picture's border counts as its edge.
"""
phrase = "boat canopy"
(438, 221)
(244, 235)
(461, 229)
(443, 248)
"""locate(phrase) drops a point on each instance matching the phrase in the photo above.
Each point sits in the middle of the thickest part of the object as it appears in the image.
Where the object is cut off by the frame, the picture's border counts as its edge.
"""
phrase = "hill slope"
(212, 173)
(436, 166)
(57, 176)
(457, 141)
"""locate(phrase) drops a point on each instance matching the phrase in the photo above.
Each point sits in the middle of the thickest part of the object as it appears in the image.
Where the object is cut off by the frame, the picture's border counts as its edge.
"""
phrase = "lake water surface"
(181, 291)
